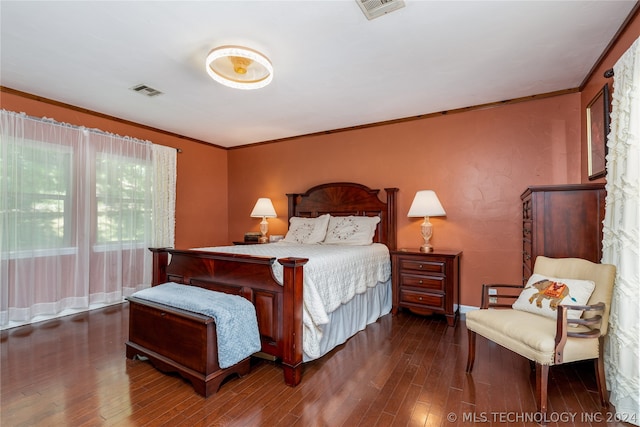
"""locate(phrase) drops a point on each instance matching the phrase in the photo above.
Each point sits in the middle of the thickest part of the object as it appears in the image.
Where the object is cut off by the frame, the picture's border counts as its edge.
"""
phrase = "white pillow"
(307, 230)
(351, 230)
(542, 295)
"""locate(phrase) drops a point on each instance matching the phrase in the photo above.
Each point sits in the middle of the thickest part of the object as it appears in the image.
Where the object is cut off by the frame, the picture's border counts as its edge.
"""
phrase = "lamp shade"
(426, 203)
(263, 208)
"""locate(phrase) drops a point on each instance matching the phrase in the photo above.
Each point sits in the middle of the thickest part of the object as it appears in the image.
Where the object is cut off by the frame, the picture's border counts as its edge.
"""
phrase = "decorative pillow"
(307, 230)
(351, 230)
(542, 295)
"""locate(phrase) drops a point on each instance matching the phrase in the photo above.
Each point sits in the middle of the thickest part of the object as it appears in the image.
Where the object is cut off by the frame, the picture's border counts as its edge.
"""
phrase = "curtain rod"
(609, 73)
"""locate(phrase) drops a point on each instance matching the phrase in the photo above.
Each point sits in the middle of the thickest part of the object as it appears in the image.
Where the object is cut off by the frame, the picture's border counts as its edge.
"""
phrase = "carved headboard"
(348, 198)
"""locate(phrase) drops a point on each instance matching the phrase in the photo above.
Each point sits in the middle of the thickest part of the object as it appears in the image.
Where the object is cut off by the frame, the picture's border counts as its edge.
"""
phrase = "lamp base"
(426, 248)
(264, 229)
(426, 229)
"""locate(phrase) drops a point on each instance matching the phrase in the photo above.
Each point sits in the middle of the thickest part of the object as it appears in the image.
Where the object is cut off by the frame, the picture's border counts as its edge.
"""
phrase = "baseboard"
(464, 309)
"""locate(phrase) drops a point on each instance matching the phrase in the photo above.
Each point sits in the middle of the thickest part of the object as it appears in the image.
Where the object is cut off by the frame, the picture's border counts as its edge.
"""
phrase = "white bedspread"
(333, 276)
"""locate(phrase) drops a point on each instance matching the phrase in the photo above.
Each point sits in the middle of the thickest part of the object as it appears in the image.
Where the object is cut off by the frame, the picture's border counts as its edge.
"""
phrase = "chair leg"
(542, 381)
(600, 378)
(471, 355)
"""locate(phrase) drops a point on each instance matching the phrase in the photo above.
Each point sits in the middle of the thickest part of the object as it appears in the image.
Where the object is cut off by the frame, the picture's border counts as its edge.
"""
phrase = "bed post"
(391, 218)
(292, 199)
(292, 319)
(159, 268)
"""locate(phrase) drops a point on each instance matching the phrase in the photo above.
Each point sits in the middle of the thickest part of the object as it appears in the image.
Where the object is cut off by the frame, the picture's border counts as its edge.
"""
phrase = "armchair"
(543, 340)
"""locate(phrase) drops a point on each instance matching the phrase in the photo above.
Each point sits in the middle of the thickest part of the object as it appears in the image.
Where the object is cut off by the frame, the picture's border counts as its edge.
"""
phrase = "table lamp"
(263, 208)
(426, 204)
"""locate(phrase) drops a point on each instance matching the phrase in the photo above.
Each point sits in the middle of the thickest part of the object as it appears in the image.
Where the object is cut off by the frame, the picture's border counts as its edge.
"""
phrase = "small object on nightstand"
(252, 237)
(427, 282)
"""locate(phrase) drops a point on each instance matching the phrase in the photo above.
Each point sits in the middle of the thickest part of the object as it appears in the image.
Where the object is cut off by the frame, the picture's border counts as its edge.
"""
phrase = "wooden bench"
(176, 340)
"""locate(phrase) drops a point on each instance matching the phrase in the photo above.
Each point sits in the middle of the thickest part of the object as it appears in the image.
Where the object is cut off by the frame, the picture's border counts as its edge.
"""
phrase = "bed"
(274, 284)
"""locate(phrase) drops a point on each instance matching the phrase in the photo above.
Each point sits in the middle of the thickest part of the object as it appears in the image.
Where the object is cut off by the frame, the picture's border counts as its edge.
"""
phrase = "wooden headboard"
(348, 198)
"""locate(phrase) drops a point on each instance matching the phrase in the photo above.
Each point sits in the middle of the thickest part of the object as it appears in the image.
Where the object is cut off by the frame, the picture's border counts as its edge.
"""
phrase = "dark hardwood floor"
(403, 370)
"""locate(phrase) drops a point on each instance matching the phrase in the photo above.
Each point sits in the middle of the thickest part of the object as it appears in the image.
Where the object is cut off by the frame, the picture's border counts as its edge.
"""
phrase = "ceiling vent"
(375, 8)
(146, 90)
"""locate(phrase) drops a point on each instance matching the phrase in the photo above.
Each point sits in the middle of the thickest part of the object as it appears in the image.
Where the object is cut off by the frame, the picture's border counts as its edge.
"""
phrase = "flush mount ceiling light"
(239, 67)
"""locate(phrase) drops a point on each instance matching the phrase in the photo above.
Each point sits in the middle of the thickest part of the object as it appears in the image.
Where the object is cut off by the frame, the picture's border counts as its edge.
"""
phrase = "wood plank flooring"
(402, 370)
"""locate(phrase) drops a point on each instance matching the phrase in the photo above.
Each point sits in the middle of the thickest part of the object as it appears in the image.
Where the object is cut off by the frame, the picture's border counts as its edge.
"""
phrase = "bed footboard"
(278, 307)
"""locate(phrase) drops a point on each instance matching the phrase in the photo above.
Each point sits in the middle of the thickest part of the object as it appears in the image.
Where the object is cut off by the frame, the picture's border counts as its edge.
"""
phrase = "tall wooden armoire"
(561, 221)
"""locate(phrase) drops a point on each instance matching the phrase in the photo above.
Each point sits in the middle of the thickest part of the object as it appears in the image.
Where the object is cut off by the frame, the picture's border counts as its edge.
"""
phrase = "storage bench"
(176, 340)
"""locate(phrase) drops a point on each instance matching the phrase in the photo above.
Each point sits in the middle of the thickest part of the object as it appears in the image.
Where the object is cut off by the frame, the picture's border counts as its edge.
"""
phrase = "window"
(122, 199)
(38, 213)
(37, 209)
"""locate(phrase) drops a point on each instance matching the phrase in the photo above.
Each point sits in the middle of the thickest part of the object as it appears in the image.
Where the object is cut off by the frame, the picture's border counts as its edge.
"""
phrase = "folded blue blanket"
(235, 317)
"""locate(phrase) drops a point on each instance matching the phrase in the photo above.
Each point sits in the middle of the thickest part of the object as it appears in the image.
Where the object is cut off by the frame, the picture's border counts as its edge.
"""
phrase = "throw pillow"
(351, 230)
(542, 295)
(307, 230)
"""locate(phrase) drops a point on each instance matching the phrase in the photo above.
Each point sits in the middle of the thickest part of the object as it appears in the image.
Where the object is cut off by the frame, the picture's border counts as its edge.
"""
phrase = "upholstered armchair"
(562, 331)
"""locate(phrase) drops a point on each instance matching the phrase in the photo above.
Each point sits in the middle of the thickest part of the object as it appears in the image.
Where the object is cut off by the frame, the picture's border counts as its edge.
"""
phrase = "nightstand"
(427, 282)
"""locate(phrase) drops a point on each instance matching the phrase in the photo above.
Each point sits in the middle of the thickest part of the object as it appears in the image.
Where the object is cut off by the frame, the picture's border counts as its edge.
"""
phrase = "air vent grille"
(375, 8)
(146, 90)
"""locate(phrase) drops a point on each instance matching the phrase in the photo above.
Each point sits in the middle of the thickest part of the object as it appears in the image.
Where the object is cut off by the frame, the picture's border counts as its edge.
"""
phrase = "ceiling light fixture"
(239, 67)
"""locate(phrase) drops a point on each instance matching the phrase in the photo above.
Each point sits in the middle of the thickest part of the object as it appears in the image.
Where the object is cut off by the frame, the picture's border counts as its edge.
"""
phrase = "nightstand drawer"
(422, 265)
(423, 281)
(422, 299)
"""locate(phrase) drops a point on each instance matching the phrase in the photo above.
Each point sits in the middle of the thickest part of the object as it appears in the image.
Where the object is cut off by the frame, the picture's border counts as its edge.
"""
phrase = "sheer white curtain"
(77, 217)
(621, 243)
(164, 192)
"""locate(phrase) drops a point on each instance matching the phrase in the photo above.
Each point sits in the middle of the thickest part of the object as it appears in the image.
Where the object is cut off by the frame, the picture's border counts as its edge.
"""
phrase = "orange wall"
(597, 80)
(478, 162)
(201, 194)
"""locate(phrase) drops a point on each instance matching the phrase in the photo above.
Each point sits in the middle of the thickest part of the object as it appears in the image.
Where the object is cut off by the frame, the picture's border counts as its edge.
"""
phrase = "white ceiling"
(333, 67)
